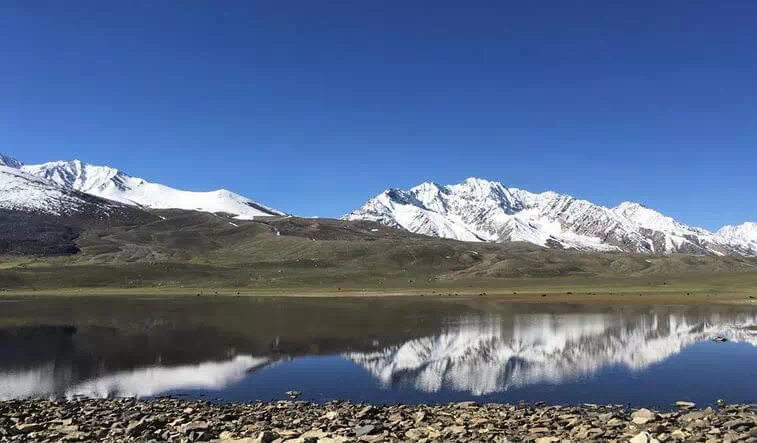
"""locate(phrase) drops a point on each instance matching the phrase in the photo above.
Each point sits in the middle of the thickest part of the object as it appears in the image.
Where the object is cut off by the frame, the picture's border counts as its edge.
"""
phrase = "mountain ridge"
(482, 210)
(115, 185)
(474, 210)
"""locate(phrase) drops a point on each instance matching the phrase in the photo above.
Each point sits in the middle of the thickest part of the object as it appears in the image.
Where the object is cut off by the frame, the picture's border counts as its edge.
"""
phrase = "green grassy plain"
(194, 253)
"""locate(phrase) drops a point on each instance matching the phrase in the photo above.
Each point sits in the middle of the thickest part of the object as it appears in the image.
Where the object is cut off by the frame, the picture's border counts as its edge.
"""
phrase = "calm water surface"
(391, 350)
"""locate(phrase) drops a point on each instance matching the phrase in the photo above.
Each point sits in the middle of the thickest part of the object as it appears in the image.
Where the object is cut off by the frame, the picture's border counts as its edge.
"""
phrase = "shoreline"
(173, 420)
(548, 295)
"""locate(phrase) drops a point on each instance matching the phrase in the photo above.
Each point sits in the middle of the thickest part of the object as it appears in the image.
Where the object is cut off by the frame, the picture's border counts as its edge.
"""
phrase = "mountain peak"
(746, 231)
(481, 182)
(482, 209)
(629, 205)
(113, 184)
(7, 160)
(427, 186)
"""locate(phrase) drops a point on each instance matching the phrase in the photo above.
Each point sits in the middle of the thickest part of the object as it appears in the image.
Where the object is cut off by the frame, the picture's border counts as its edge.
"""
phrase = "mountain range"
(59, 186)
(483, 210)
(475, 210)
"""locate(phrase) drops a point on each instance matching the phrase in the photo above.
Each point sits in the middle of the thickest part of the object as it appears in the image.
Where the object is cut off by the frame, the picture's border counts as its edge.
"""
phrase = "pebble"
(643, 416)
(686, 405)
(177, 420)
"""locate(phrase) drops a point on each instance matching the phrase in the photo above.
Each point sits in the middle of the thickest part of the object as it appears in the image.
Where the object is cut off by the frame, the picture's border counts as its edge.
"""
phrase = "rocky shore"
(175, 420)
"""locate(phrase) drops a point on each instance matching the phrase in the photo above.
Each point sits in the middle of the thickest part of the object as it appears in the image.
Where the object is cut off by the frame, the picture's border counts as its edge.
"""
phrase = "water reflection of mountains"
(474, 351)
(100, 361)
(482, 356)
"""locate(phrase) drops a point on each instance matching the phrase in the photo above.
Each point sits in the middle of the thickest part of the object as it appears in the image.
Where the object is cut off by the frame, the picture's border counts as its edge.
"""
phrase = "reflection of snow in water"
(29, 383)
(484, 355)
(142, 382)
(153, 381)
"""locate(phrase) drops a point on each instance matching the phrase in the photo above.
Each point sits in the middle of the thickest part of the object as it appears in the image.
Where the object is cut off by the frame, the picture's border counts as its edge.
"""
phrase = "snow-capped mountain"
(745, 233)
(483, 210)
(20, 191)
(112, 184)
(486, 355)
(10, 162)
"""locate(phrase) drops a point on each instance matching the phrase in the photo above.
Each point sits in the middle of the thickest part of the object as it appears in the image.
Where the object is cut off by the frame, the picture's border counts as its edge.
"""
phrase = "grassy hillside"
(184, 249)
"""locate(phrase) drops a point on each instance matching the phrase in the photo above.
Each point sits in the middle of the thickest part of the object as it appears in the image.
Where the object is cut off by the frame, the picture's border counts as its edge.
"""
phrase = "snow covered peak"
(746, 232)
(77, 175)
(485, 210)
(650, 219)
(629, 207)
(112, 184)
(481, 183)
(479, 187)
(6, 160)
(20, 191)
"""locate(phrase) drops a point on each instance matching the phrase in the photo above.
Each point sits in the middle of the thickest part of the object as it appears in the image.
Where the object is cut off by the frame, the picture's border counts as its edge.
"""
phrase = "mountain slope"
(38, 217)
(478, 209)
(113, 184)
(20, 191)
(745, 233)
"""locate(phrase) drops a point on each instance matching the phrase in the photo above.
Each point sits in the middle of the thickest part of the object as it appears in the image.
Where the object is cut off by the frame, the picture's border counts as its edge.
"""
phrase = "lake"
(381, 350)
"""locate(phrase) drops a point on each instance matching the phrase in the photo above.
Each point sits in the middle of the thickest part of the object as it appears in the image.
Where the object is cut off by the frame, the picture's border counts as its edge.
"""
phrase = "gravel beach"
(175, 420)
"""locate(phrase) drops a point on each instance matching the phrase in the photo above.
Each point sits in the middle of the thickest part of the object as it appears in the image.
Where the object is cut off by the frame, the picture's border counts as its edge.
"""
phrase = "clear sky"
(315, 106)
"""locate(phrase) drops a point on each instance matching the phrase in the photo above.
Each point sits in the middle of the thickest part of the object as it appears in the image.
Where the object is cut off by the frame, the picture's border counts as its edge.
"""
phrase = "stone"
(686, 405)
(642, 437)
(194, 426)
(691, 416)
(235, 440)
(67, 429)
(314, 433)
(466, 404)
(738, 422)
(365, 430)
(367, 411)
(415, 434)
(373, 438)
(267, 436)
(77, 436)
(455, 429)
(136, 427)
(165, 420)
(27, 428)
(615, 423)
(643, 416)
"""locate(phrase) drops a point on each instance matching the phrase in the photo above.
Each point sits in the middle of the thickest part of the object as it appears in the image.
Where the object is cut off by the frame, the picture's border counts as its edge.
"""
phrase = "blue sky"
(315, 106)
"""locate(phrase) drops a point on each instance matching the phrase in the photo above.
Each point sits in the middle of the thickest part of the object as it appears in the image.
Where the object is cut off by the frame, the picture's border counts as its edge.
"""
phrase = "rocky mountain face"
(10, 162)
(483, 210)
(39, 217)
